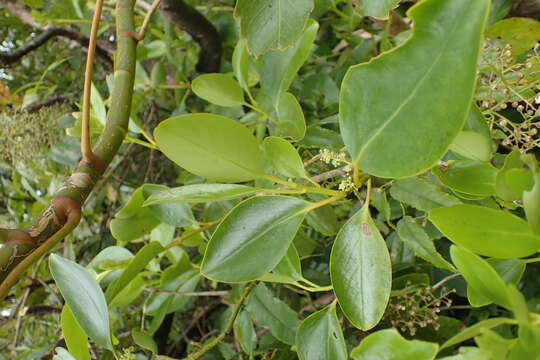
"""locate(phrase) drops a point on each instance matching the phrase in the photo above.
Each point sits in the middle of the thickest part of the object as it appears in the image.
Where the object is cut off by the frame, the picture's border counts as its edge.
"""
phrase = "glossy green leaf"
(319, 336)
(211, 146)
(475, 330)
(144, 340)
(502, 187)
(420, 194)
(468, 176)
(390, 345)
(292, 123)
(472, 145)
(272, 24)
(253, 238)
(178, 215)
(219, 89)
(520, 32)
(280, 67)
(378, 9)
(245, 332)
(272, 314)
(199, 193)
(288, 270)
(84, 297)
(399, 131)
(361, 271)
(480, 275)
(510, 270)
(133, 220)
(486, 231)
(136, 265)
(283, 157)
(417, 239)
(74, 336)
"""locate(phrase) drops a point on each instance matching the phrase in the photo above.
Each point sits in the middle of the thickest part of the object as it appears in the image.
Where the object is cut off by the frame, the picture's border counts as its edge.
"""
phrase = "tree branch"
(190, 20)
(21, 248)
(525, 8)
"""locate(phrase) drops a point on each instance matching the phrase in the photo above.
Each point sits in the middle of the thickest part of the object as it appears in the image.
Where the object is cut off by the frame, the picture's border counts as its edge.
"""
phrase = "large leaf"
(319, 336)
(201, 193)
(416, 238)
(486, 231)
(84, 297)
(390, 345)
(480, 275)
(75, 337)
(272, 314)
(401, 130)
(253, 238)
(361, 270)
(280, 67)
(420, 194)
(272, 24)
(211, 146)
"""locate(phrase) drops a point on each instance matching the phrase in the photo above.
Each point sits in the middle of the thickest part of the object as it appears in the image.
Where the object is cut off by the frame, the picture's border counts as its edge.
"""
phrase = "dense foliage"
(358, 180)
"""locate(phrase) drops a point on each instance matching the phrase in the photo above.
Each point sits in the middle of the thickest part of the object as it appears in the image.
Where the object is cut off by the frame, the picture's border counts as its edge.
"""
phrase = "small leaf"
(400, 131)
(178, 215)
(319, 336)
(272, 24)
(292, 123)
(211, 146)
(502, 187)
(75, 337)
(245, 332)
(144, 340)
(253, 238)
(283, 157)
(378, 9)
(272, 314)
(219, 89)
(136, 265)
(199, 193)
(390, 345)
(486, 231)
(472, 145)
(288, 270)
(468, 176)
(475, 330)
(358, 253)
(520, 32)
(480, 275)
(84, 297)
(416, 238)
(240, 63)
(420, 194)
(63, 354)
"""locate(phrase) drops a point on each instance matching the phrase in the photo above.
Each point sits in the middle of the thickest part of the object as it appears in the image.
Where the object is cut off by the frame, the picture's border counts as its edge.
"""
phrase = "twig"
(200, 293)
(443, 281)
(146, 20)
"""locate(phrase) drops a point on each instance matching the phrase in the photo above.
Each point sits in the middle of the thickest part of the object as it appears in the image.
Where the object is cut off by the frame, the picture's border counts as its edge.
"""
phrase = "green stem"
(228, 326)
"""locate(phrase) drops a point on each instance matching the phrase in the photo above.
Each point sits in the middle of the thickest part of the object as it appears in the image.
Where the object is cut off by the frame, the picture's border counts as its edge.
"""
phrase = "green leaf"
(475, 330)
(416, 238)
(84, 297)
(472, 145)
(399, 131)
(359, 252)
(178, 215)
(199, 193)
(420, 194)
(253, 238)
(292, 123)
(272, 24)
(510, 270)
(502, 187)
(280, 67)
(219, 89)
(62, 354)
(377, 8)
(480, 275)
(522, 33)
(245, 332)
(283, 157)
(74, 335)
(288, 270)
(133, 220)
(240, 63)
(531, 198)
(486, 231)
(136, 265)
(468, 176)
(211, 146)
(272, 314)
(144, 340)
(390, 345)
(319, 336)
(168, 301)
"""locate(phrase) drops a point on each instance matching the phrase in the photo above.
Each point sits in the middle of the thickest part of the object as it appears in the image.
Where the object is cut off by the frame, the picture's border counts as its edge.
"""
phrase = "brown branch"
(190, 20)
(525, 8)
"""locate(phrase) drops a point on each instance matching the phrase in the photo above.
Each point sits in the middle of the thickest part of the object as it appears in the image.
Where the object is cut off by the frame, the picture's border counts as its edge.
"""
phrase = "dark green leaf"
(420, 194)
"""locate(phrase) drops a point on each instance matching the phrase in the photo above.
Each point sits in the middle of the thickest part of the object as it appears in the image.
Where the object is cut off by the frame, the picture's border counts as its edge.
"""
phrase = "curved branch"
(526, 8)
(190, 20)
(20, 248)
